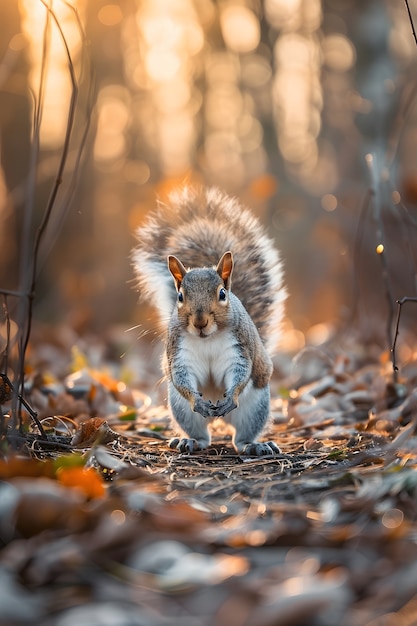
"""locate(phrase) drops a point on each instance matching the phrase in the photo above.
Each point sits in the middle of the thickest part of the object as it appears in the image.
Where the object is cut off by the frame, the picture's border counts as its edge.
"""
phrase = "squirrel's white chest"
(210, 360)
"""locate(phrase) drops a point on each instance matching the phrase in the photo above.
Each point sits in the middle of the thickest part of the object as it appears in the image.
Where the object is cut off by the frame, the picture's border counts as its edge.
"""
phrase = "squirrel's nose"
(200, 321)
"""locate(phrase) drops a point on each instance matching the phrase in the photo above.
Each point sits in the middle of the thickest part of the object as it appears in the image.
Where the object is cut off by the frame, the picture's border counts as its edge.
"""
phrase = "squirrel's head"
(203, 295)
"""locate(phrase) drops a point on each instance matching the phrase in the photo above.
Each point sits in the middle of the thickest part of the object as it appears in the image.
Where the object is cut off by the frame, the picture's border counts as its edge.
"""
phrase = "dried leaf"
(86, 480)
(94, 430)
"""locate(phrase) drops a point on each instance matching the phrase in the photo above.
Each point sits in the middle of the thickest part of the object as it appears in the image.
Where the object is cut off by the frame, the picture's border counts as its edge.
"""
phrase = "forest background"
(303, 109)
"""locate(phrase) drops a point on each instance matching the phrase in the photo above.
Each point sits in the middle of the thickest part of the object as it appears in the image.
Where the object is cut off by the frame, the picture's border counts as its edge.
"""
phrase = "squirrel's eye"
(222, 294)
(180, 297)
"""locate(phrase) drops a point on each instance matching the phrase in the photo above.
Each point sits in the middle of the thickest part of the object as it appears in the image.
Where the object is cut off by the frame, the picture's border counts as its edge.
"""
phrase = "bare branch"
(411, 21)
(56, 185)
(61, 211)
(30, 253)
(8, 384)
(5, 355)
(397, 332)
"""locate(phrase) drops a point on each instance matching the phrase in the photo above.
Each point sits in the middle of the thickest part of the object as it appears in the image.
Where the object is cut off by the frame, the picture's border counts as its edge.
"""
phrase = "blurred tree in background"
(278, 102)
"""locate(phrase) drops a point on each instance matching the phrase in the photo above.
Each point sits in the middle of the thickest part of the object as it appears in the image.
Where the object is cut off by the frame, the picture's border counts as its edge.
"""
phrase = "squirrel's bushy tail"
(198, 226)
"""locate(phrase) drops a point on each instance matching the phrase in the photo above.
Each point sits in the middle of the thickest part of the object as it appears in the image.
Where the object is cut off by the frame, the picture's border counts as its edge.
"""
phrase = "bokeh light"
(240, 28)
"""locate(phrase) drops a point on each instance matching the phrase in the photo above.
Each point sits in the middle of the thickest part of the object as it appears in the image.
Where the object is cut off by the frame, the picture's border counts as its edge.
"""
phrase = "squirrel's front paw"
(223, 407)
(204, 407)
(261, 449)
(184, 445)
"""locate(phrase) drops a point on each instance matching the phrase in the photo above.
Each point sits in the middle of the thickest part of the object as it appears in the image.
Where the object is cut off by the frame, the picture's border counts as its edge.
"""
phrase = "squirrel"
(218, 340)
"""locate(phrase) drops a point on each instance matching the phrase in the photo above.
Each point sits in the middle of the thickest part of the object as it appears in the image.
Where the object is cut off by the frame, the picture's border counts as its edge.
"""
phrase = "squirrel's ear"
(225, 268)
(177, 270)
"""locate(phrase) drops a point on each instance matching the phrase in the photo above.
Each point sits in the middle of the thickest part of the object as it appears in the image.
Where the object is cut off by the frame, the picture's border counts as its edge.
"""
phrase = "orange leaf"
(16, 466)
(105, 380)
(86, 480)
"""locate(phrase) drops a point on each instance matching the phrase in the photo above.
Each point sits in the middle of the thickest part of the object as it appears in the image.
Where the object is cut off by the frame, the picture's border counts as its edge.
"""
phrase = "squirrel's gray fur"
(218, 341)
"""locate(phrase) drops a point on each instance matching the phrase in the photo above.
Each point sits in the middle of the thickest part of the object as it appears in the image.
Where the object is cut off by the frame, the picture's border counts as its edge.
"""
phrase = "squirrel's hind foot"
(185, 445)
(261, 449)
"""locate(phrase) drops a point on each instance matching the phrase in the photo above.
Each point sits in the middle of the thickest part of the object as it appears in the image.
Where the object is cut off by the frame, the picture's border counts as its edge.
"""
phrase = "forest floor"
(101, 523)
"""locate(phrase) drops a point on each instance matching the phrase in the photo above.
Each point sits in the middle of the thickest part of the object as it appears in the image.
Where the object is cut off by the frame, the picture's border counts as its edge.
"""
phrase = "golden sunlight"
(110, 15)
(113, 116)
(240, 28)
(57, 80)
(169, 37)
(283, 13)
(297, 94)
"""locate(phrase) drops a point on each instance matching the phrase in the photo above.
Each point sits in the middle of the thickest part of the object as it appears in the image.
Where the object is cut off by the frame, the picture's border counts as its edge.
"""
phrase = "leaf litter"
(103, 523)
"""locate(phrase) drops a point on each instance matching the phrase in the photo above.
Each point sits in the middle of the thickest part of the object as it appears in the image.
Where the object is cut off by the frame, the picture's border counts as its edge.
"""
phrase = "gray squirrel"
(218, 341)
